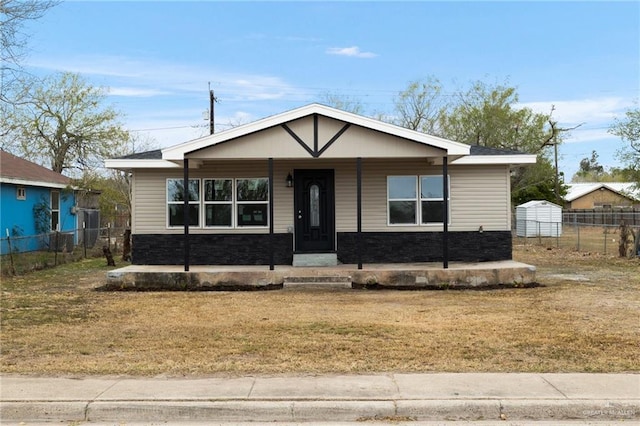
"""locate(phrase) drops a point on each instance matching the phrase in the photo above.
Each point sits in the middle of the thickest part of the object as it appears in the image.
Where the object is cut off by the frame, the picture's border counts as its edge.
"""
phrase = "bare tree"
(14, 14)
(420, 106)
(65, 123)
(342, 102)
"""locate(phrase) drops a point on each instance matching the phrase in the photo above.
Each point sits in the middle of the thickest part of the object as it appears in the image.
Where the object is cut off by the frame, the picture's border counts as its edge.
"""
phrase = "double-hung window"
(218, 202)
(431, 199)
(403, 202)
(252, 202)
(55, 210)
(414, 200)
(175, 202)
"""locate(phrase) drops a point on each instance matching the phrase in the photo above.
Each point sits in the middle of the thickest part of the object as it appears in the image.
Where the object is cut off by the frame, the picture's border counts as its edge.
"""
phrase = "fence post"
(84, 238)
(578, 228)
(109, 235)
(11, 265)
(55, 248)
(605, 240)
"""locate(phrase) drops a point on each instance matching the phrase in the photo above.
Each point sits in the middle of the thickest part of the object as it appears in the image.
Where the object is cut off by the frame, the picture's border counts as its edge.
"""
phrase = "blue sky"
(263, 58)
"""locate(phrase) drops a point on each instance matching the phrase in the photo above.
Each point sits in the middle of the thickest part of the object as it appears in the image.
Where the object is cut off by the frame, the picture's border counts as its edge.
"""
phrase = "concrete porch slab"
(251, 277)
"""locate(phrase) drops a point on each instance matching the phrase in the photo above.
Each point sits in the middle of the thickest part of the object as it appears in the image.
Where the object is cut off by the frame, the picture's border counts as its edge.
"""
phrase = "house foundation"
(413, 276)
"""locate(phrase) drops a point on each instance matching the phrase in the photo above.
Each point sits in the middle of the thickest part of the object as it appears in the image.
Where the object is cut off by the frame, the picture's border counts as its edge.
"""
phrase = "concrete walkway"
(385, 397)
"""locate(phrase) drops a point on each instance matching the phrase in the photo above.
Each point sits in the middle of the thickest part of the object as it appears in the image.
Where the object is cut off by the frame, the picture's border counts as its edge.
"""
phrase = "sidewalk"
(390, 397)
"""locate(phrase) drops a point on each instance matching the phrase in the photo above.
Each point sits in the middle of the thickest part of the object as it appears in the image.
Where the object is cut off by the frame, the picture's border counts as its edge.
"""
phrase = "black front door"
(314, 211)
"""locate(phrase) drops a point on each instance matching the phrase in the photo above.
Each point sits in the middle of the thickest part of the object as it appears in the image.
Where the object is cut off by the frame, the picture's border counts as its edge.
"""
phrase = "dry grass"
(594, 239)
(54, 323)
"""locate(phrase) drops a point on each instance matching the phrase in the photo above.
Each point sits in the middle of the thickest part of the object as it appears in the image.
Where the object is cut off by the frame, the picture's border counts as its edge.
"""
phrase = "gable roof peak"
(177, 152)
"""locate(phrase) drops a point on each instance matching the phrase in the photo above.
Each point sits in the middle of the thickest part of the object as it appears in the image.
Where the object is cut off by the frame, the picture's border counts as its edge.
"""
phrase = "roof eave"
(27, 182)
(513, 159)
(127, 164)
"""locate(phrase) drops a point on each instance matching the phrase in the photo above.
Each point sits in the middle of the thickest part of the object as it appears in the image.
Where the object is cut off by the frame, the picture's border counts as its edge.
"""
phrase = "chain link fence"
(599, 231)
(22, 254)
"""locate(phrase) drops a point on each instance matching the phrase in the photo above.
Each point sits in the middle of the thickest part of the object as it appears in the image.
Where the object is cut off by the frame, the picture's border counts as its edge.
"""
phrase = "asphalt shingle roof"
(155, 154)
(485, 150)
(18, 168)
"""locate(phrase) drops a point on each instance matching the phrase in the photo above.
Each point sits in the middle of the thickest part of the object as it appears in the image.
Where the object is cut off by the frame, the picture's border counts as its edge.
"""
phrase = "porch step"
(317, 283)
(315, 259)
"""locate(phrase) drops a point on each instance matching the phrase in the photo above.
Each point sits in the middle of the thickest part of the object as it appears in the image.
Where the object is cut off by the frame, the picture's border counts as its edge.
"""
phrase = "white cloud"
(589, 111)
(135, 92)
(353, 51)
(140, 77)
(587, 135)
(595, 115)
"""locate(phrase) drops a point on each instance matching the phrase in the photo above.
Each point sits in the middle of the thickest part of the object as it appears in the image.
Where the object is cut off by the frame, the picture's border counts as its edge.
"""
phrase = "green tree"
(115, 185)
(533, 183)
(65, 123)
(590, 170)
(488, 116)
(628, 129)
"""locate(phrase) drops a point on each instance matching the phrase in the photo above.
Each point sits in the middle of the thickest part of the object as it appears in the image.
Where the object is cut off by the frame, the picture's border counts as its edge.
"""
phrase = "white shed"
(538, 218)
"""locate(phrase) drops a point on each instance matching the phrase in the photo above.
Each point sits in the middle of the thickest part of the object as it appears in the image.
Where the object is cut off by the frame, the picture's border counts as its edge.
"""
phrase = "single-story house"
(26, 189)
(318, 181)
(601, 195)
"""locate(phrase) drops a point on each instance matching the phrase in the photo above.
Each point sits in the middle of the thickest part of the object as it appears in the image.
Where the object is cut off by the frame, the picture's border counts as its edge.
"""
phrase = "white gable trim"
(24, 182)
(177, 152)
(126, 164)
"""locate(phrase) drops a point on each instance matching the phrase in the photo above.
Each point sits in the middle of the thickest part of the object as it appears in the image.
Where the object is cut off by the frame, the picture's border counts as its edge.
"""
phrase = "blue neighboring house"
(25, 189)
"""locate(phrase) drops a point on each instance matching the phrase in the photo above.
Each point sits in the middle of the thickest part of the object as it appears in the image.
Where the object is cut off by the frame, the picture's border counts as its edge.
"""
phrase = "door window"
(314, 205)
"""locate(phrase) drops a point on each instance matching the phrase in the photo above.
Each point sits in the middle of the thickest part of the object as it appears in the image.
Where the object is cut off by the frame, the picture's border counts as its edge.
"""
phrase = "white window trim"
(435, 199)
(232, 202)
(167, 203)
(56, 209)
(415, 200)
(202, 203)
(237, 202)
(418, 200)
(21, 193)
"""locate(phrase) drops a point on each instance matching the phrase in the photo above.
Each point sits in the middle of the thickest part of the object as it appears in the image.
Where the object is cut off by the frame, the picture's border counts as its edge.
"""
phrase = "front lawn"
(584, 318)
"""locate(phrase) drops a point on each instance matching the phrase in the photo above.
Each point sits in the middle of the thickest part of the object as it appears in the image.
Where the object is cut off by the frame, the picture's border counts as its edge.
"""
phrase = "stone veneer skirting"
(410, 247)
(376, 247)
(211, 249)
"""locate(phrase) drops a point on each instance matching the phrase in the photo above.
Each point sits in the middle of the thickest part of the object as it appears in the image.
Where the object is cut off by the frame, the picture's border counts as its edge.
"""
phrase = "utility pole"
(555, 151)
(554, 137)
(212, 101)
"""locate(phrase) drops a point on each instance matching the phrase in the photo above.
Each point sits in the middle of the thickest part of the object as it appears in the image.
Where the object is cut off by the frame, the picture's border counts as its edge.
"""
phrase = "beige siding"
(270, 143)
(479, 194)
(600, 197)
(356, 141)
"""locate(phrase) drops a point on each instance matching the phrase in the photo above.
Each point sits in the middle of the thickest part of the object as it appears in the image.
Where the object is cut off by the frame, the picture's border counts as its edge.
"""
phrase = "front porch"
(401, 276)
